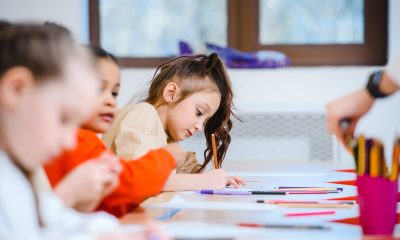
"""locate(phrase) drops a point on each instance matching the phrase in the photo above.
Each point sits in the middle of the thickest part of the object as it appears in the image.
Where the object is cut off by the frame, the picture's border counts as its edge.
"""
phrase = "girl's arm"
(214, 179)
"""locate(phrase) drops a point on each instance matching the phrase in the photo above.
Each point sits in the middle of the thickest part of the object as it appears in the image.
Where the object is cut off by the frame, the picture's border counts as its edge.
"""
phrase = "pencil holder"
(377, 199)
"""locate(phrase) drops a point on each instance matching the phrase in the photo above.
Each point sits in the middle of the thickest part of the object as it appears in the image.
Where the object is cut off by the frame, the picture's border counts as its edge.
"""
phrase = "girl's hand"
(85, 186)
(114, 167)
(215, 179)
(235, 181)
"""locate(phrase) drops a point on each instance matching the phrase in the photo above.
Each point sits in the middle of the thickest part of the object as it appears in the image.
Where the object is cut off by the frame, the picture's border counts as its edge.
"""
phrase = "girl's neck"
(162, 114)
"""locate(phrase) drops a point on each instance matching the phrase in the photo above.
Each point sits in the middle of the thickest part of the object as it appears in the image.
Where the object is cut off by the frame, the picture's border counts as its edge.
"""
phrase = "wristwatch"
(373, 85)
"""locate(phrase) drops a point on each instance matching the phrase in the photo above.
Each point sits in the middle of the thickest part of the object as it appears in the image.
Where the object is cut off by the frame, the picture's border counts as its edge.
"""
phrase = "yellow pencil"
(214, 149)
(395, 162)
(374, 160)
(361, 158)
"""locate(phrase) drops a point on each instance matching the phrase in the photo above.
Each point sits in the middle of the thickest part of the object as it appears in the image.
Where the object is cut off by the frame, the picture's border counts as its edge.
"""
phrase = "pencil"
(214, 149)
(361, 158)
(374, 162)
(395, 162)
(298, 214)
(315, 205)
(286, 226)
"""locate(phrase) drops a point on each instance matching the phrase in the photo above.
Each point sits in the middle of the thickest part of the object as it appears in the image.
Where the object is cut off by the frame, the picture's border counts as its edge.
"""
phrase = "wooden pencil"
(214, 149)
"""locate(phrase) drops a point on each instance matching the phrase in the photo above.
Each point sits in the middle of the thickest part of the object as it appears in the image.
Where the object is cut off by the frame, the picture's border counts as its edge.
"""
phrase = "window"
(144, 33)
(311, 22)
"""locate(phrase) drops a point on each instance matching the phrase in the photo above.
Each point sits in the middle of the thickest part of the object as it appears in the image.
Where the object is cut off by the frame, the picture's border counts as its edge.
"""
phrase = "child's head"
(48, 86)
(193, 92)
(109, 72)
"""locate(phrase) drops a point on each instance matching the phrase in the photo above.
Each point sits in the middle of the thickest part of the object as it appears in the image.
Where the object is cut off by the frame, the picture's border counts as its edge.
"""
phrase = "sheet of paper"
(184, 230)
(211, 231)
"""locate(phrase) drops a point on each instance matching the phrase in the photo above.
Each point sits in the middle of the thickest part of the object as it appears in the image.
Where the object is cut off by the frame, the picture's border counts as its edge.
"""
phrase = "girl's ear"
(170, 93)
(14, 83)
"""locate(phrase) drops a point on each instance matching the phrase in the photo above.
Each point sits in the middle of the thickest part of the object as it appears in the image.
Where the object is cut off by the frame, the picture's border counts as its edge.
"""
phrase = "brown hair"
(41, 49)
(194, 73)
(44, 51)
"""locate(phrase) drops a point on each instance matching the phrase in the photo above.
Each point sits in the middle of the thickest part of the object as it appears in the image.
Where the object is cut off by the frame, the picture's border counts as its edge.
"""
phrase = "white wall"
(289, 89)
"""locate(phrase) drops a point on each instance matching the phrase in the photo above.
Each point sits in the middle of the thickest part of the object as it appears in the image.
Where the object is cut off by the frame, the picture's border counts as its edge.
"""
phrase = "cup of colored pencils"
(376, 185)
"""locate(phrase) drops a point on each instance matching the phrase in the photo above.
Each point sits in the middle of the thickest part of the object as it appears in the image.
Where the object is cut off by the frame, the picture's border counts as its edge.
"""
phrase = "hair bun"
(212, 60)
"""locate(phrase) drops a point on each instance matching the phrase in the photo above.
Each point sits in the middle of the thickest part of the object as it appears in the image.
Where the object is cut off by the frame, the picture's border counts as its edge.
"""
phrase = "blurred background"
(333, 45)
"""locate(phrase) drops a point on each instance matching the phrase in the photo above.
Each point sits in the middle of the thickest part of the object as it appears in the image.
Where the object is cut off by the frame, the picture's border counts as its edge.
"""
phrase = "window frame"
(245, 13)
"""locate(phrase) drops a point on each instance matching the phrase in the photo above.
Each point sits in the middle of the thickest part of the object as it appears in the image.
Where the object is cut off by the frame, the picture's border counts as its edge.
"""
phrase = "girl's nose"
(111, 101)
(199, 126)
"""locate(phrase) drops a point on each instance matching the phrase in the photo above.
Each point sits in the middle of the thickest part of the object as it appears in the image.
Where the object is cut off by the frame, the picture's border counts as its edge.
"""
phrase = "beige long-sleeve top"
(138, 129)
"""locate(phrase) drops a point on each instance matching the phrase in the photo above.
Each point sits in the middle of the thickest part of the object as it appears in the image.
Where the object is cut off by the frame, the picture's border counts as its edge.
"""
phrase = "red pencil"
(298, 214)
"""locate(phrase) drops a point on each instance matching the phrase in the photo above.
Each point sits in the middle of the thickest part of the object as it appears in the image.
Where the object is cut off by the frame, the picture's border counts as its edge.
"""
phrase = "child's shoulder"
(143, 106)
(87, 137)
(139, 109)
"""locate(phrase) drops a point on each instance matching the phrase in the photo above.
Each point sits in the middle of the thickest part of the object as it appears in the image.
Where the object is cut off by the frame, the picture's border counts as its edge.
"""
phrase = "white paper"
(208, 230)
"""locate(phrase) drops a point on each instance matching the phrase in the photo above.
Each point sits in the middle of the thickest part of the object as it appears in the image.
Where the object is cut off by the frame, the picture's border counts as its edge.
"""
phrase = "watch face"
(373, 85)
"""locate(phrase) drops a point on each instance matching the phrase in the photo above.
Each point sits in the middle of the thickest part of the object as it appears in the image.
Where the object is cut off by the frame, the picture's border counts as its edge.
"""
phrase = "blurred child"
(188, 93)
(139, 179)
(48, 86)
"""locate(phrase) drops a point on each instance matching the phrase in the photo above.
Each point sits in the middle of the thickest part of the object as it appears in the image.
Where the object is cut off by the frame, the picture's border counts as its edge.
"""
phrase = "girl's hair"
(193, 74)
(41, 49)
(99, 52)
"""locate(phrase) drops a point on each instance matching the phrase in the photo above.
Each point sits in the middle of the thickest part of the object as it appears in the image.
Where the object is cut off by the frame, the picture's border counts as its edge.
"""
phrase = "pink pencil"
(299, 214)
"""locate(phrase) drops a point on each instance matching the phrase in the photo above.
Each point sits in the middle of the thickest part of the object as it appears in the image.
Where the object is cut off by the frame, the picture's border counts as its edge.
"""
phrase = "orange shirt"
(139, 179)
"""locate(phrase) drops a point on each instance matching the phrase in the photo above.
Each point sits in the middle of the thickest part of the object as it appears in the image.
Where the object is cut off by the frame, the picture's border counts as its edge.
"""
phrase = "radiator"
(276, 137)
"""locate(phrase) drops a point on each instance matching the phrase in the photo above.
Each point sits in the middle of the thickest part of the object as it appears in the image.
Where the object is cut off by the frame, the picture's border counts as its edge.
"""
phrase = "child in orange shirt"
(139, 179)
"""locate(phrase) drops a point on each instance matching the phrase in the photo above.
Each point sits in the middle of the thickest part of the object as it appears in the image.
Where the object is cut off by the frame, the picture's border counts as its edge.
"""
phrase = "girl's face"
(39, 119)
(103, 116)
(188, 117)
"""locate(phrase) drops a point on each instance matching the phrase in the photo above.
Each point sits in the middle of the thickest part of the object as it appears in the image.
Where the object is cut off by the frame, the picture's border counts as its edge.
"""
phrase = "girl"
(47, 87)
(134, 184)
(189, 93)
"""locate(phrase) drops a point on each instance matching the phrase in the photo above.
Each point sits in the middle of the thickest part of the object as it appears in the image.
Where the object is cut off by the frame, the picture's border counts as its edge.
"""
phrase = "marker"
(227, 192)
(300, 214)
(285, 226)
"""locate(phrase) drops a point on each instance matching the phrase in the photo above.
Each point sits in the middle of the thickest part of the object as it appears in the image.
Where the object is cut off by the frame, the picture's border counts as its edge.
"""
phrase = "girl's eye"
(115, 94)
(198, 113)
